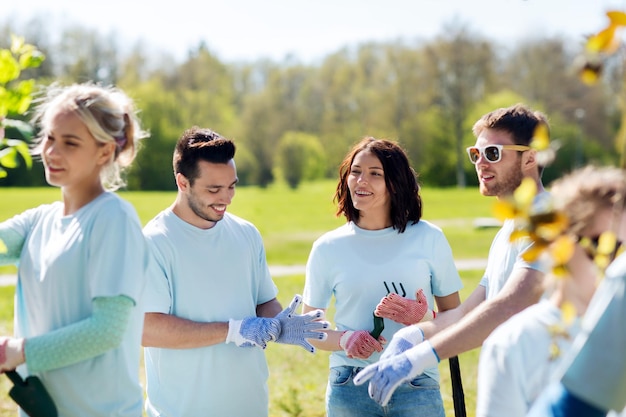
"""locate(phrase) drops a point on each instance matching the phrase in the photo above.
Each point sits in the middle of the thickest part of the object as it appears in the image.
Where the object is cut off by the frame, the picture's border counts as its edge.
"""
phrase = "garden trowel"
(31, 396)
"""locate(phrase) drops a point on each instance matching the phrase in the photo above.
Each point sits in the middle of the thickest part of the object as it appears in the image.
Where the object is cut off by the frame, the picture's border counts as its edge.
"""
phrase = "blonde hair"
(109, 115)
(583, 192)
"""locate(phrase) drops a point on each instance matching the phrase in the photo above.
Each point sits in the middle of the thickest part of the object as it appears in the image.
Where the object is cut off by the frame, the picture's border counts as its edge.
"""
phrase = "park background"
(294, 119)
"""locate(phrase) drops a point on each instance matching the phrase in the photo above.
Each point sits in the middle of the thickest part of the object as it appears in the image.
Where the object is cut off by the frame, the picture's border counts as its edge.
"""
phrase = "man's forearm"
(171, 332)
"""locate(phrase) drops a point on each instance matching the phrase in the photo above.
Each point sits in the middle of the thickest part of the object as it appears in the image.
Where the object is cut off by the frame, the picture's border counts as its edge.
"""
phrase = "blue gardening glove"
(252, 331)
(404, 339)
(387, 375)
(295, 329)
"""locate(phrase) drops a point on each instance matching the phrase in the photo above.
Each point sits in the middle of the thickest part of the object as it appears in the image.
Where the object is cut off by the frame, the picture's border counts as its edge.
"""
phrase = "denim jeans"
(419, 397)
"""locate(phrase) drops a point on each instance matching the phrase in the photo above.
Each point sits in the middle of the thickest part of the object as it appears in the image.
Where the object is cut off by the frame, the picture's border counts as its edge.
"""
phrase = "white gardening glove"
(404, 310)
(360, 344)
(295, 329)
(252, 331)
(404, 339)
(387, 375)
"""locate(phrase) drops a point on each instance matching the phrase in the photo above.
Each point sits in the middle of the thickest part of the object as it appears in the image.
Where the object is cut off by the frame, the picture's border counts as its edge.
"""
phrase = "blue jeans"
(419, 397)
(556, 401)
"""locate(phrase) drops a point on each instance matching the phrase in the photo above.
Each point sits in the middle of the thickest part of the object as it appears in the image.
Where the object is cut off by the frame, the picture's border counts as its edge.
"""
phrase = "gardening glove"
(11, 353)
(252, 331)
(360, 344)
(295, 329)
(403, 310)
(403, 340)
(387, 375)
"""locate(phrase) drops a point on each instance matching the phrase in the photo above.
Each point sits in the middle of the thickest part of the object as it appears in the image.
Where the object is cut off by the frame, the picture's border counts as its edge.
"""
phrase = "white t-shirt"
(515, 364)
(208, 275)
(504, 257)
(64, 263)
(359, 267)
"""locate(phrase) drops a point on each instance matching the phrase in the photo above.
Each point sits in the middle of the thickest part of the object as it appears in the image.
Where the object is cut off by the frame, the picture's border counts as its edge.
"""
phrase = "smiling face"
(368, 191)
(71, 156)
(204, 203)
(503, 177)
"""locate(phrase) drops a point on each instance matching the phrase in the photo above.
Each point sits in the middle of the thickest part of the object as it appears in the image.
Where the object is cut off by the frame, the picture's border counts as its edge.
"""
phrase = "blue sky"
(252, 29)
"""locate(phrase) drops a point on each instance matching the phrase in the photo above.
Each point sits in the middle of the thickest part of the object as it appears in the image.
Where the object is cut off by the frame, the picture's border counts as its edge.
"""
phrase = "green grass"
(289, 222)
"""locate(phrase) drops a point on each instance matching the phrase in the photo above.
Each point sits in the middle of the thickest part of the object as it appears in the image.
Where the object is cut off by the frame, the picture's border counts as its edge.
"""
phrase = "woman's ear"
(106, 153)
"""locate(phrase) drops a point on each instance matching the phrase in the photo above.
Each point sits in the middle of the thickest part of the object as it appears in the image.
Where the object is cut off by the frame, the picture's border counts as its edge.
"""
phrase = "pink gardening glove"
(360, 344)
(403, 310)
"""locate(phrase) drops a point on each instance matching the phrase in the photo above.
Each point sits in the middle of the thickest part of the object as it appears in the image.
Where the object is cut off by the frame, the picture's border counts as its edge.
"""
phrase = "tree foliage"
(15, 99)
(300, 157)
(425, 94)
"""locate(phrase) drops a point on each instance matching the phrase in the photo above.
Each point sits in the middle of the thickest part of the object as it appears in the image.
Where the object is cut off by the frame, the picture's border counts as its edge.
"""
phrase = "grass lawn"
(290, 221)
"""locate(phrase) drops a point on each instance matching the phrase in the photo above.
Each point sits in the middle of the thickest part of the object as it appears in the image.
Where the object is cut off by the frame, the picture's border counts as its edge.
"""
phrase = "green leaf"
(8, 158)
(25, 129)
(9, 67)
(31, 59)
(24, 151)
(3, 247)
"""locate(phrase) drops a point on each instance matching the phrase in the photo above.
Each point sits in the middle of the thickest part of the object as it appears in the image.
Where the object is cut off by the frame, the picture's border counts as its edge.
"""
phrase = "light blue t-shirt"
(64, 263)
(359, 267)
(595, 367)
(208, 275)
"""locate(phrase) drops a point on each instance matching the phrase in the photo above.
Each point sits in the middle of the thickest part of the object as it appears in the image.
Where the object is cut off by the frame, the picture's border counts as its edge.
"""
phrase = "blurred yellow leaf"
(602, 261)
(503, 210)
(3, 247)
(568, 311)
(604, 41)
(533, 252)
(589, 75)
(560, 271)
(607, 243)
(616, 17)
(541, 138)
(518, 234)
(562, 250)
(555, 352)
(525, 193)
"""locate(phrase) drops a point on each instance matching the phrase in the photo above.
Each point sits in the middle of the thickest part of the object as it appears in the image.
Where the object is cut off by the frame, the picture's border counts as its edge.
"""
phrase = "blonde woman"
(81, 260)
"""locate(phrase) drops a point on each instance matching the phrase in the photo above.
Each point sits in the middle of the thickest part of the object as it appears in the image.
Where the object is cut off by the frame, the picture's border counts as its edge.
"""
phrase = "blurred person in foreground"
(388, 261)
(591, 380)
(211, 302)
(503, 158)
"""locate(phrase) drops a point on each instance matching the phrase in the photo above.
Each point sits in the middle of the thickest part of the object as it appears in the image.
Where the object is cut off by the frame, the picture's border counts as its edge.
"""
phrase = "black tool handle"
(15, 378)
(379, 326)
(458, 397)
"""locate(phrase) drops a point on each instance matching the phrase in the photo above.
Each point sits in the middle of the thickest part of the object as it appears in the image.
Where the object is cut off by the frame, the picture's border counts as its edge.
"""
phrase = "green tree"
(300, 156)
(15, 99)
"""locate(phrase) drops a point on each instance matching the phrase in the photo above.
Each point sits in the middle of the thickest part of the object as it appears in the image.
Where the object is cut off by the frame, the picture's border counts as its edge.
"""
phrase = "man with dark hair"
(211, 302)
(503, 158)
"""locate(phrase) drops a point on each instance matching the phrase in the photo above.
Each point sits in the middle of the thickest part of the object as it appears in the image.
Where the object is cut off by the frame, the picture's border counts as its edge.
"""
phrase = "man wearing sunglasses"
(503, 158)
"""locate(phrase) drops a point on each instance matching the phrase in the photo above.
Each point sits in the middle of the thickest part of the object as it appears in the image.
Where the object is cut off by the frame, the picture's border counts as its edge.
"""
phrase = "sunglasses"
(492, 153)
(590, 246)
